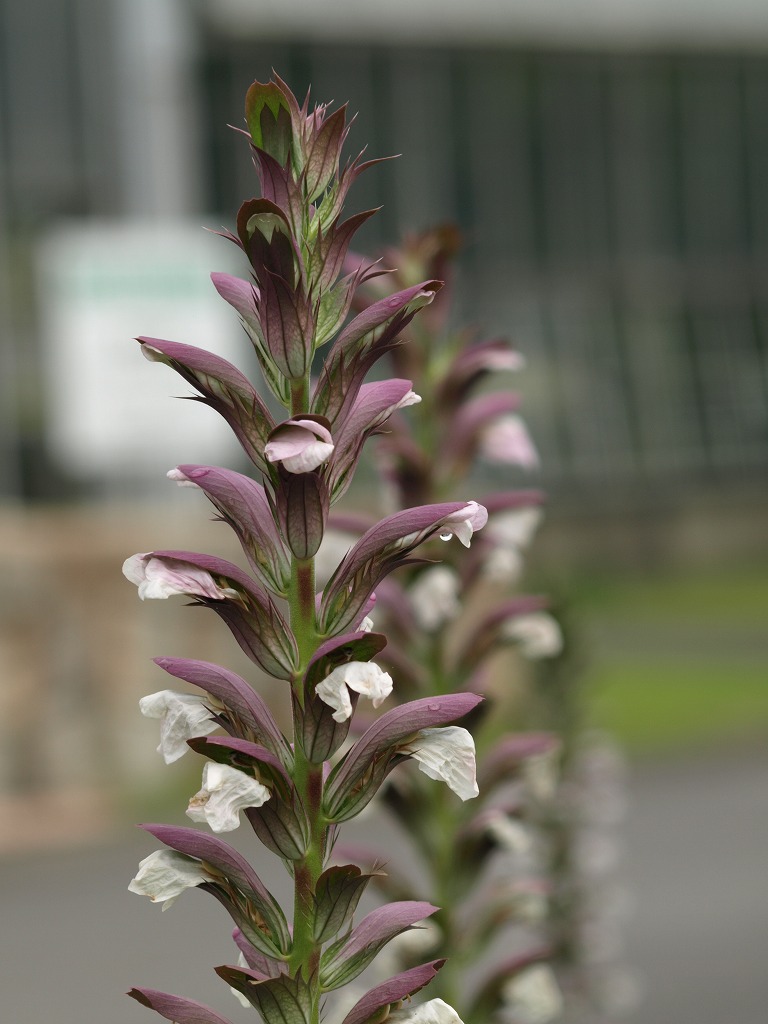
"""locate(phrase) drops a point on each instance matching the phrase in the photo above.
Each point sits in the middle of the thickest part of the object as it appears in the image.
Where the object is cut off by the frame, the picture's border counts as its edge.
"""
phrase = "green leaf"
(338, 892)
(323, 156)
(280, 1000)
(332, 309)
(269, 120)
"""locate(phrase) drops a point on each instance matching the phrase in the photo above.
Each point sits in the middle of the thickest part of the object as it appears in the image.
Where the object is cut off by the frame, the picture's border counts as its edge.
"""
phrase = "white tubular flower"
(160, 578)
(541, 773)
(504, 359)
(409, 398)
(510, 834)
(448, 754)
(528, 899)
(226, 791)
(165, 874)
(504, 565)
(301, 445)
(179, 478)
(366, 625)
(435, 597)
(510, 533)
(241, 962)
(506, 440)
(537, 634)
(363, 677)
(464, 523)
(533, 996)
(183, 716)
(433, 1012)
(515, 527)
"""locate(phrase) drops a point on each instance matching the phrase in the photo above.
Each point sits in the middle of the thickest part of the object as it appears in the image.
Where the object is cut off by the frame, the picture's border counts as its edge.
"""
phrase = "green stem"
(308, 779)
(301, 602)
(307, 776)
(300, 391)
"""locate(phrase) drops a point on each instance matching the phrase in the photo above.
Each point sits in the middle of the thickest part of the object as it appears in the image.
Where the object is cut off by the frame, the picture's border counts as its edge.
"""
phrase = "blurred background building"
(608, 166)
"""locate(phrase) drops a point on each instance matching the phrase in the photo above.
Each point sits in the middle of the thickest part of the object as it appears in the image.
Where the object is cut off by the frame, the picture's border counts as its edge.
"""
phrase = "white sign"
(110, 412)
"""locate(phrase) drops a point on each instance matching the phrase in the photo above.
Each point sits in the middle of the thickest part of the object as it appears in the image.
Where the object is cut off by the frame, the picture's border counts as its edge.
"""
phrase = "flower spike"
(295, 789)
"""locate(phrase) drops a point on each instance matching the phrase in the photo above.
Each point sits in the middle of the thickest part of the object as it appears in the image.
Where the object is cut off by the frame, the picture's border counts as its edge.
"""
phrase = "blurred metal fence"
(615, 208)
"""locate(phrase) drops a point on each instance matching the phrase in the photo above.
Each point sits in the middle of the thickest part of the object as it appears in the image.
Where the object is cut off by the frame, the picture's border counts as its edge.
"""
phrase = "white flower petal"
(241, 962)
(503, 565)
(433, 1012)
(533, 996)
(154, 355)
(537, 633)
(510, 834)
(435, 597)
(225, 792)
(159, 578)
(364, 677)
(314, 455)
(165, 874)
(506, 440)
(409, 398)
(510, 533)
(465, 522)
(182, 717)
(179, 478)
(301, 445)
(541, 774)
(507, 359)
(448, 754)
(515, 527)
(528, 899)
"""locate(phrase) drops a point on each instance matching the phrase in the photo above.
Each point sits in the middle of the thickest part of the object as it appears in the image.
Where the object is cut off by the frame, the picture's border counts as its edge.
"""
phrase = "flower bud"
(301, 445)
(303, 504)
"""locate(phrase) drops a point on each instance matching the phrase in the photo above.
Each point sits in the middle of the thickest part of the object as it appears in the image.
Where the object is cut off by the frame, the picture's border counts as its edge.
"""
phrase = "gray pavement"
(697, 859)
(72, 939)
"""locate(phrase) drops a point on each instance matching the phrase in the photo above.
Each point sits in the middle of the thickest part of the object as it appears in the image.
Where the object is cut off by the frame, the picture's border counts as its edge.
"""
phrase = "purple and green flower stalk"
(455, 625)
(296, 790)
